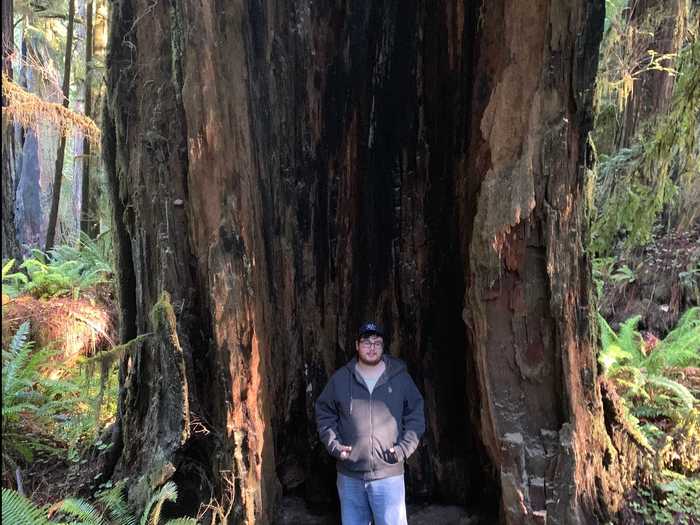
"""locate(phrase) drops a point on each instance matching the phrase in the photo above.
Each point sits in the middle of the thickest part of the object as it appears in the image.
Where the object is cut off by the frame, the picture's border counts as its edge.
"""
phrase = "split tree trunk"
(287, 170)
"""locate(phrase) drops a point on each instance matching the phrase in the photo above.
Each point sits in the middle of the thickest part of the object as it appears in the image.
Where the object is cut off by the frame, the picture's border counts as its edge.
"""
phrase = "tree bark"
(60, 154)
(287, 170)
(10, 243)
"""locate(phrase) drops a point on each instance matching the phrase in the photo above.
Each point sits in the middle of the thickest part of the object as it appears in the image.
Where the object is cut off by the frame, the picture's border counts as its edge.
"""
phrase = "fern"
(80, 509)
(630, 340)
(681, 347)
(16, 509)
(679, 392)
(26, 394)
(167, 492)
(643, 380)
(617, 349)
(12, 282)
(113, 500)
(65, 270)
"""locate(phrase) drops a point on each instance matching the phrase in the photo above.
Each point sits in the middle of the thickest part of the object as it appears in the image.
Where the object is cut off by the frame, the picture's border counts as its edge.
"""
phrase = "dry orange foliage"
(31, 111)
(75, 327)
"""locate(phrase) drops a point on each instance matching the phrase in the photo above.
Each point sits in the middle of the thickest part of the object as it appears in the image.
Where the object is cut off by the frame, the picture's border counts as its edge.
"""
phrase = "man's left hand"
(392, 451)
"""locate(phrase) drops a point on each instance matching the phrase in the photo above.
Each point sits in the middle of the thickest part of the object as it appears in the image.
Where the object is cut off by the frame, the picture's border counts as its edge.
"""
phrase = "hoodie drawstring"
(350, 377)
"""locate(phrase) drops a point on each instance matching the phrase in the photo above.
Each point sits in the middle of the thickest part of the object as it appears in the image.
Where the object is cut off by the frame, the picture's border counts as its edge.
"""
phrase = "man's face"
(370, 349)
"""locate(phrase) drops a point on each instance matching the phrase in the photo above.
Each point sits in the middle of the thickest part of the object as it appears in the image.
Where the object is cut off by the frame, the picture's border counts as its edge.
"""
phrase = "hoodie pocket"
(382, 454)
(359, 459)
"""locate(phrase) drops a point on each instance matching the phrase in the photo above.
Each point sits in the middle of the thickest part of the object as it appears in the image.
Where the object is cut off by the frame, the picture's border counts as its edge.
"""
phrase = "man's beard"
(371, 361)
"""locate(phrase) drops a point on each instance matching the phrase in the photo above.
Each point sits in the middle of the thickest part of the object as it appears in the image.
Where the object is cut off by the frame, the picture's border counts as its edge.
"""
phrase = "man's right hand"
(345, 451)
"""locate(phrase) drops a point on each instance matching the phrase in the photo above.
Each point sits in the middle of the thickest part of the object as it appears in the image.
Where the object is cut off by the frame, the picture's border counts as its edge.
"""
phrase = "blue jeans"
(381, 499)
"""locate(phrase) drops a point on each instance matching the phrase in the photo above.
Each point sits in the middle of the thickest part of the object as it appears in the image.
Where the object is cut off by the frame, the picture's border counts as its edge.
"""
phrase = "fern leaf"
(81, 509)
(680, 392)
(629, 338)
(166, 492)
(182, 521)
(18, 355)
(113, 500)
(7, 267)
(681, 347)
(608, 336)
(16, 509)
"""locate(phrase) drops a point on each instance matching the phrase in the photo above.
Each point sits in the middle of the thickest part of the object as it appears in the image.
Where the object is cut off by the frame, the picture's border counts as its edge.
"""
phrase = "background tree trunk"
(89, 222)
(288, 170)
(60, 154)
(10, 244)
(658, 26)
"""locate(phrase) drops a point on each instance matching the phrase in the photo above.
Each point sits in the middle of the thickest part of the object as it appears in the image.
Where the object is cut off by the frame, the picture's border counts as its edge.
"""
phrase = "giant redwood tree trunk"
(285, 170)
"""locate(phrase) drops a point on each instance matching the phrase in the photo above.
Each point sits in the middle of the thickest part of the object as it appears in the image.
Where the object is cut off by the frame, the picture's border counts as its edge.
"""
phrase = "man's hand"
(345, 451)
(392, 451)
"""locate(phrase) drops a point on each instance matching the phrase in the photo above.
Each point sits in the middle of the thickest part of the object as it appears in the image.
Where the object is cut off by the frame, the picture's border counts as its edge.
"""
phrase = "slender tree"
(60, 154)
(88, 220)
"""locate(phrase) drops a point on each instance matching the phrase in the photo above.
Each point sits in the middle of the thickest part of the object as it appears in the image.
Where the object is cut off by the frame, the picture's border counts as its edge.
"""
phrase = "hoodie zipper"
(371, 435)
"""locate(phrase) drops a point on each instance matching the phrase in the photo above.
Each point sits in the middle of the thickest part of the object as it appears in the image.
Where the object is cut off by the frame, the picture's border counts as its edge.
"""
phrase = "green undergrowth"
(49, 418)
(661, 398)
(65, 271)
(652, 182)
(109, 508)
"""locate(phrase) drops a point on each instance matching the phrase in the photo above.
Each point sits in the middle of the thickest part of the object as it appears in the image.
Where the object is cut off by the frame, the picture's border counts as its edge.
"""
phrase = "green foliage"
(661, 171)
(66, 270)
(12, 282)
(18, 509)
(676, 501)
(681, 347)
(167, 492)
(645, 381)
(27, 396)
(81, 509)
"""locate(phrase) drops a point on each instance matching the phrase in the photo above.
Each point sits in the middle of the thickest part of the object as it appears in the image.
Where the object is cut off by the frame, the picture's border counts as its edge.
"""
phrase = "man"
(370, 418)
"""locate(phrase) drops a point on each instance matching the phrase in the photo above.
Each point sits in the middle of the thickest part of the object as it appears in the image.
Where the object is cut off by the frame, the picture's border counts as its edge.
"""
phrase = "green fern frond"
(679, 392)
(7, 267)
(17, 357)
(80, 509)
(18, 510)
(182, 521)
(167, 492)
(607, 334)
(681, 347)
(629, 338)
(113, 500)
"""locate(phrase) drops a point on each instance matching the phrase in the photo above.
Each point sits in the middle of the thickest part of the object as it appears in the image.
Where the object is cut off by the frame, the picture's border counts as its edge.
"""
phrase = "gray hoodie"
(391, 416)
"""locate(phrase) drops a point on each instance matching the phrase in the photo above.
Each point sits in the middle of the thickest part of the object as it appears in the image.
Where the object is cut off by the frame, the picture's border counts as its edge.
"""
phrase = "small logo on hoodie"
(390, 390)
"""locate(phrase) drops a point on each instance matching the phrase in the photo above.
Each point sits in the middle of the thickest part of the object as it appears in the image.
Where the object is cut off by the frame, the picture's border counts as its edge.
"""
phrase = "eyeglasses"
(370, 344)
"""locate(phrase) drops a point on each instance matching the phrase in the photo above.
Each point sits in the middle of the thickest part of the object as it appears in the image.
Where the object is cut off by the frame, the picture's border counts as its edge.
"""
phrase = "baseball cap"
(370, 329)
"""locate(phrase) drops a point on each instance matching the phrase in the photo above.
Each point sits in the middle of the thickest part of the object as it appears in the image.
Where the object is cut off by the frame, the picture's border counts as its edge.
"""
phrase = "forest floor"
(294, 512)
